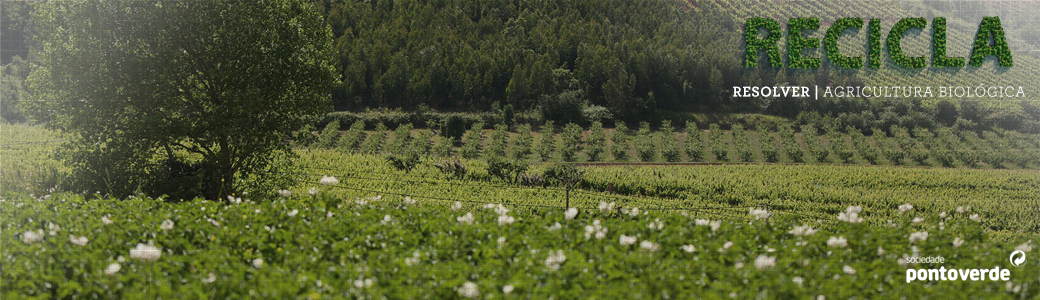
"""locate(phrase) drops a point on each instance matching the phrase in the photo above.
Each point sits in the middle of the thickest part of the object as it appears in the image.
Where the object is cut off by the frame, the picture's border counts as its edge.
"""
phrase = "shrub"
(814, 143)
(742, 143)
(645, 143)
(305, 136)
(870, 154)
(594, 144)
(496, 144)
(889, 148)
(400, 138)
(669, 146)
(547, 141)
(453, 167)
(444, 146)
(327, 138)
(507, 170)
(717, 140)
(570, 141)
(453, 126)
(404, 161)
(619, 141)
(373, 140)
(522, 141)
(693, 143)
(421, 143)
(471, 141)
(350, 139)
(769, 146)
(790, 145)
(562, 175)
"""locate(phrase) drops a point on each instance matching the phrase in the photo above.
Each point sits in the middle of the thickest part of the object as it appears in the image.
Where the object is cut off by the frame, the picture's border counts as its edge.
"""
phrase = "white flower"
(312, 191)
(905, 208)
(797, 279)
(759, 213)
(715, 225)
(738, 265)
(214, 222)
(30, 236)
(387, 219)
(233, 200)
(649, 246)
(961, 209)
(1025, 247)
(803, 230)
(258, 262)
(975, 217)
(145, 252)
(631, 212)
(837, 242)
(880, 251)
(466, 219)
(411, 261)
(627, 240)
(166, 225)
(727, 245)
(293, 213)
(763, 262)
(555, 259)
(917, 220)
(851, 214)
(53, 228)
(919, 236)
(106, 220)
(702, 222)
(942, 215)
(849, 270)
(328, 180)
(507, 289)
(656, 224)
(363, 283)
(78, 241)
(504, 220)
(456, 206)
(501, 210)
(112, 268)
(555, 227)
(409, 201)
(210, 279)
(605, 207)
(689, 248)
(596, 230)
(957, 242)
(570, 213)
(469, 290)
(284, 193)
(501, 240)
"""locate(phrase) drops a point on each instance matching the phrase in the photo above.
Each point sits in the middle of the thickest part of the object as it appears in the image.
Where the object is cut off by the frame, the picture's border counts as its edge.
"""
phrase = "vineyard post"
(567, 194)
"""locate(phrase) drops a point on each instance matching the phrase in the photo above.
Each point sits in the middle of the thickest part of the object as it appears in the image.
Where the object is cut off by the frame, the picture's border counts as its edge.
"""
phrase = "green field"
(382, 232)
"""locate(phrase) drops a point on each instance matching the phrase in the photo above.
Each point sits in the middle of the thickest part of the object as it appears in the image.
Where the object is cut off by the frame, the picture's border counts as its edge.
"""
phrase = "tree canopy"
(188, 98)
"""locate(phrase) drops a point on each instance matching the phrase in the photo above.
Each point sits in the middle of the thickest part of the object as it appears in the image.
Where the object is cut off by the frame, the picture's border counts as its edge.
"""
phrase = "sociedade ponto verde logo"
(1017, 258)
(989, 30)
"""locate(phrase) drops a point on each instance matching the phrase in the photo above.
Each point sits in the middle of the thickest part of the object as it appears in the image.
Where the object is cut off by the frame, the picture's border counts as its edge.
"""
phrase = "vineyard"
(918, 147)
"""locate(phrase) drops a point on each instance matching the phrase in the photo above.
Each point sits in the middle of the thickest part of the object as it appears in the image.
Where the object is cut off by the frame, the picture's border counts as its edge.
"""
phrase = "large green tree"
(192, 97)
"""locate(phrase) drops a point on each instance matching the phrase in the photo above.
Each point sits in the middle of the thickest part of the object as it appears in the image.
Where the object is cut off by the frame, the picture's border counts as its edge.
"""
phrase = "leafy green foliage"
(400, 139)
(373, 140)
(496, 143)
(327, 137)
(619, 141)
(547, 141)
(216, 84)
(522, 142)
(769, 144)
(471, 141)
(742, 143)
(645, 143)
(789, 144)
(595, 142)
(668, 144)
(717, 141)
(352, 137)
(693, 143)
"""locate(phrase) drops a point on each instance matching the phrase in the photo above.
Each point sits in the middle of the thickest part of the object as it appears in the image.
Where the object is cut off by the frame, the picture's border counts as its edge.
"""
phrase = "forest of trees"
(568, 61)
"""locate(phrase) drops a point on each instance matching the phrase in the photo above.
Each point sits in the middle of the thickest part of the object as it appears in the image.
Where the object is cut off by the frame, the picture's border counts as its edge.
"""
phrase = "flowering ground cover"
(345, 242)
